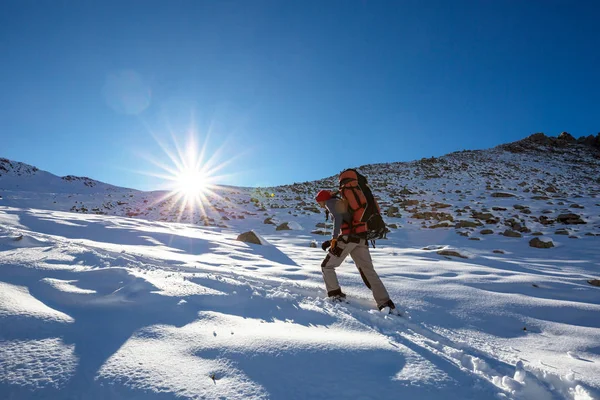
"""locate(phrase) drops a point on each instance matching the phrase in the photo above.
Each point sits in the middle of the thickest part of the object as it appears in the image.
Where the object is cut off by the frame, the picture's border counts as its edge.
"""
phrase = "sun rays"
(189, 175)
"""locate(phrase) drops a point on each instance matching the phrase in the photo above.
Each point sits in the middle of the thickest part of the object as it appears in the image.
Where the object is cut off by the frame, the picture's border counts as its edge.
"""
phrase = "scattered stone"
(541, 244)
(474, 238)
(482, 216)
(249, 237)
(313, 244)
(393, 226)
(498, 251)
(498, 209)
(502, 194)
(283, 227)
(487, 232)
(537, 234)
(561, 232)
(451, 253)
(511, 233)
(594, 282)
(319, 232)
(467, 224)
(269, 221)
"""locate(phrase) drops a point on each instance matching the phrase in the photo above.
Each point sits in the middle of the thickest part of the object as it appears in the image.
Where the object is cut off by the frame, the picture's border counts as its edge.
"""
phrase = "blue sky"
(288, 91)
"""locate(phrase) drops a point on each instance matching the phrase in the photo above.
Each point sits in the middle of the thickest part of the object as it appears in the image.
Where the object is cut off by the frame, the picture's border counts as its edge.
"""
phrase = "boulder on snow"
(289, 226)
(570, 219)
(502, 194)
(249, 237)
(541, 243)
(511, 233)
(451, 253)
(594, 282)
(283, 227)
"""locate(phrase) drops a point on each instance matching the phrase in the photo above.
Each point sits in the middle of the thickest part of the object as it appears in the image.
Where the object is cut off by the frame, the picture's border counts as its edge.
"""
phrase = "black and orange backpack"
(366, 215)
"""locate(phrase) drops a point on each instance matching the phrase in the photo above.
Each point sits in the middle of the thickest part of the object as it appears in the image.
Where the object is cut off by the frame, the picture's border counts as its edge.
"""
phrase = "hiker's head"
(323, 196)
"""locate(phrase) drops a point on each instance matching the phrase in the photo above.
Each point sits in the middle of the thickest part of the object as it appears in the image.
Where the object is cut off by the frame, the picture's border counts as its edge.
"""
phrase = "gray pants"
(362, 258)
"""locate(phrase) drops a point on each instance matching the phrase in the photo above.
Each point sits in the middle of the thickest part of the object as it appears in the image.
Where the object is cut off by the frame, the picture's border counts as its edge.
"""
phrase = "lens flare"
(190, 178)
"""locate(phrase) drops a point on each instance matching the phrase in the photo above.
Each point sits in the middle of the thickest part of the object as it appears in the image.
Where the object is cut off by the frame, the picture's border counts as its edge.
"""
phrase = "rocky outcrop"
(249, 237)
(570, 219)
(541, 244)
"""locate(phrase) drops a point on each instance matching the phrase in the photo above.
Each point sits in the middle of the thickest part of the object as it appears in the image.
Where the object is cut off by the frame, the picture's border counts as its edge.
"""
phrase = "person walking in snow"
(346, 242)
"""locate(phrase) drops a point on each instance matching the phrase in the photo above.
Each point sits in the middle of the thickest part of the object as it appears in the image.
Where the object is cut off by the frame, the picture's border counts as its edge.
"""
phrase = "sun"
(191, 182)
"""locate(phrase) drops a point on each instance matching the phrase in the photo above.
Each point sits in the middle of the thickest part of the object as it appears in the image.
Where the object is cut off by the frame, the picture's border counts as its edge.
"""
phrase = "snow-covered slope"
(96, 305)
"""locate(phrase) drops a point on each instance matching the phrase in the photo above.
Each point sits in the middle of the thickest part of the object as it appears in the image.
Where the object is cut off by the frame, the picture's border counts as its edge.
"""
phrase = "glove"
(333, 244)
(326, 245)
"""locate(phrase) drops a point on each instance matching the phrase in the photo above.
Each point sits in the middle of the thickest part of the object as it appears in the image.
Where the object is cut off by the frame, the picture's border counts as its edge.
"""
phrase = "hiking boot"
(388, 304)
(337, 295)
(389, 308)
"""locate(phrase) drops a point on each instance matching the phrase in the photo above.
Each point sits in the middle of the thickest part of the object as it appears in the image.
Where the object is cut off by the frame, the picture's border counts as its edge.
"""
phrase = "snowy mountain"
(489, 255)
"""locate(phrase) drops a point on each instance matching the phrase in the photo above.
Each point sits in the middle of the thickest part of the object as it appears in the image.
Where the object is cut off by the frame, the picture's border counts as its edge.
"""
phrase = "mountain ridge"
(532, 187)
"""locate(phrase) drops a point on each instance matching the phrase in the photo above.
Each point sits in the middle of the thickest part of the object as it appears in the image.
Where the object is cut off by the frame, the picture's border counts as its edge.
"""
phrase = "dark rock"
(283, 227)
(540, 244)
(451, 253)
(511, 233)
(501, 194)
(249, 237)
(467, 224)
(487, 232)
(570, 219)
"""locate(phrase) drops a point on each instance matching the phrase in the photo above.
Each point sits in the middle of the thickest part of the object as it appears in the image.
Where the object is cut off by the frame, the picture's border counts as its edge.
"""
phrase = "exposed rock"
(283, 227)
(594, 282)
(487, 232)
(393, 212)
(394, 226)
(498, 209)
(249, 237)
(269, 221)
(482, 216)
(444, 224)
(498, 251)
(313, 244)
(438, 216)
(409, 203)
(541, 244)
(562, 232)
(566, 137)
(319, 232)
(502, 194)
(451, 253)
(467, 224)
(511, 233)
(570, 219)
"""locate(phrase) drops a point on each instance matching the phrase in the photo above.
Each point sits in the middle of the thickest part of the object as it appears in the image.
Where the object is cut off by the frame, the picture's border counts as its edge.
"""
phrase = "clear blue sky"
(295, 90)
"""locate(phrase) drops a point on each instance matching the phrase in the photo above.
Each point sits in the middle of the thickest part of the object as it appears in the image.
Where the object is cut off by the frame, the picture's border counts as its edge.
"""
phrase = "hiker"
(350, 243)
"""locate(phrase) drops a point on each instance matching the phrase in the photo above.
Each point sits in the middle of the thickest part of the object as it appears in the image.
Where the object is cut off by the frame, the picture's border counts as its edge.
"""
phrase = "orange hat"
(323, 195)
